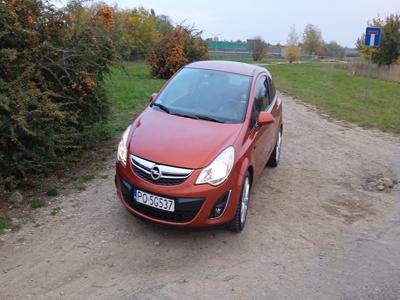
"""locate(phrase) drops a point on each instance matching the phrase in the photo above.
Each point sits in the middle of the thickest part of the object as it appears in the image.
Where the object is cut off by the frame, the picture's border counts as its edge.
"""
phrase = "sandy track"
(313, 232)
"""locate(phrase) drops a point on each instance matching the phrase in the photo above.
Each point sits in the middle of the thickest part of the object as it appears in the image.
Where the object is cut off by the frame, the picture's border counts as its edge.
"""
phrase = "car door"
(274, 107)
(259, 133)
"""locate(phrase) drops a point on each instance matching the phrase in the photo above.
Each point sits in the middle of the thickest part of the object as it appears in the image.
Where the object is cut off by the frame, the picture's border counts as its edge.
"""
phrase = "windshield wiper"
(207, 118)
(191, 116)
(162, 107)
(197, 117)
(184, 115)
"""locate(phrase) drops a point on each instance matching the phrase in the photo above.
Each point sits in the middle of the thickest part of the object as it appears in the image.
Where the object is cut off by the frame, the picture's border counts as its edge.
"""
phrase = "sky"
(339, 20)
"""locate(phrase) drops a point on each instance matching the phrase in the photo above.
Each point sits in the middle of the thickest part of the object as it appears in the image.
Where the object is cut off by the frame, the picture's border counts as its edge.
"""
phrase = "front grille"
(185, 208)
(161, 181)
(166, 175)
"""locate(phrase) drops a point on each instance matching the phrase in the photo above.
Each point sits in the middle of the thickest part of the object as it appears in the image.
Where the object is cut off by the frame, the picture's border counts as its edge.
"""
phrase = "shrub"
(4, 223)
(37, 203)
(53, 192)
(138, 32)
(176, 49)
(51, 75)
(258, 49)
(293, 53)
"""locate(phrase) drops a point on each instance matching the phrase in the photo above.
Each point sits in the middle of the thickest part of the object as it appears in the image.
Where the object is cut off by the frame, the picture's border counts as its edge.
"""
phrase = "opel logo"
(155, 172)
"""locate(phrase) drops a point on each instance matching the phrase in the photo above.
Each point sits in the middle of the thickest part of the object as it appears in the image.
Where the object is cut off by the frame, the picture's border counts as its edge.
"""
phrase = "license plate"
(154, 201)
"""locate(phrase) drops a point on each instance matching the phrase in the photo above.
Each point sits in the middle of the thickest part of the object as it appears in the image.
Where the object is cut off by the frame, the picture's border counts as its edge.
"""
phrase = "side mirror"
(265, 118)
(153, 96)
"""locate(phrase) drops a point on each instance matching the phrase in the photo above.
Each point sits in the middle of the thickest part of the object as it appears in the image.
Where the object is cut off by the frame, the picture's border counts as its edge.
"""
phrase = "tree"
(293, 51)
(164, 24)
(312, 40)
(389, 50)
(138, 32)
(333, 49)
(176, 49)
(258, 48)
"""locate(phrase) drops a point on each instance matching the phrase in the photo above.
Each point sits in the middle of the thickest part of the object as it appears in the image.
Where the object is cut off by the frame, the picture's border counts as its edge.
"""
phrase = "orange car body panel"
(190, 143)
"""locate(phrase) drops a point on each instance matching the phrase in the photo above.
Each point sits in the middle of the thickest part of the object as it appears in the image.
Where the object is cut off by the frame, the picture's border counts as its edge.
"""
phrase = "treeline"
(311, 44)
(139, 33)
(53, 62)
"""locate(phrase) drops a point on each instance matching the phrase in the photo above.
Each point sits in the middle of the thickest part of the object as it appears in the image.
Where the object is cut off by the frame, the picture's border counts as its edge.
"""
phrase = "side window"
(253, 119)
(271, 90)
(260, 99)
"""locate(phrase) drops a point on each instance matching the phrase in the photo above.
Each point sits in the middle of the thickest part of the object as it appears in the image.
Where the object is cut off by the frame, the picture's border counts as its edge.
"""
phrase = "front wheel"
(237, 224)
(275, 155)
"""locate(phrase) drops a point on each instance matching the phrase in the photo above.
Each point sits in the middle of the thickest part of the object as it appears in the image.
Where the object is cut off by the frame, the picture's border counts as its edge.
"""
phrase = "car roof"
(228, 66)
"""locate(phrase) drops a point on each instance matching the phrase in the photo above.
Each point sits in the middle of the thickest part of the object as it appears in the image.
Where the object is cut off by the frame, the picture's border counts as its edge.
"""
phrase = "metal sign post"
(372, 39)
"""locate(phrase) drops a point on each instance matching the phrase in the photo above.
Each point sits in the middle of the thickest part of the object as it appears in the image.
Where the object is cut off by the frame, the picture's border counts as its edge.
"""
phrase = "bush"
(4, 223)
(258, 49)
(293, 53)
(37, 203)
(176, 49)
(51, 74)
(138, 32)
(53, 192)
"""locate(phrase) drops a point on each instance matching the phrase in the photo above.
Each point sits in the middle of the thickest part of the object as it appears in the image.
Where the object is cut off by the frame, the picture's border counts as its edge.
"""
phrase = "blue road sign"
(372, 37)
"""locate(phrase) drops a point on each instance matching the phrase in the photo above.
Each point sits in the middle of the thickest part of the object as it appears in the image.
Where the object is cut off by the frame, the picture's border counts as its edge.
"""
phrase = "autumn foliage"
(52, 65)
(389, 51)
(176, 49)
(51, 76)
(292, 49)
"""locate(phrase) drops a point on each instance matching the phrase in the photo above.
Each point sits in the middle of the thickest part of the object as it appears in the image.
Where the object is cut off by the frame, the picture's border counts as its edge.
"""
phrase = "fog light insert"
(220, 207)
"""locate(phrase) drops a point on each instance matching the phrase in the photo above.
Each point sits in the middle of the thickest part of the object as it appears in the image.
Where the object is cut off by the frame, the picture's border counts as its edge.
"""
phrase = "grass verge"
(341, 94)
(128, 88)
(4, 223)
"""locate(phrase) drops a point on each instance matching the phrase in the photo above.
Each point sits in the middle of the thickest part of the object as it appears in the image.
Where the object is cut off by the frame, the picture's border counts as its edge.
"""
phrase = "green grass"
(53, 192)
(4, 223)
(341, 94)
(128, 89)
(37, 203)
(87, 178)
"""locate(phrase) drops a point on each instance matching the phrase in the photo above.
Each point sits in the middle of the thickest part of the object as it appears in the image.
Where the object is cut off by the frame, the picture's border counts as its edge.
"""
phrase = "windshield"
(206, 94)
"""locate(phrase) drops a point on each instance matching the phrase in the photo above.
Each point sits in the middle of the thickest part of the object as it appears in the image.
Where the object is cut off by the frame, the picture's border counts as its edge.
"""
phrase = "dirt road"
(314, 232)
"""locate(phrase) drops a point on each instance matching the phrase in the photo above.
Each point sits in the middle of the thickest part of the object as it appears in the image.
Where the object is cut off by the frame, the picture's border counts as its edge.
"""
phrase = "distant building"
(276, 50)
(220, 47)
(242, 48)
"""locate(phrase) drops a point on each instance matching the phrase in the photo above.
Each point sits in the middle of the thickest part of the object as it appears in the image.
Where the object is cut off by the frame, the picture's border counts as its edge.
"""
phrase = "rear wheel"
(275, 155)
(237, 224)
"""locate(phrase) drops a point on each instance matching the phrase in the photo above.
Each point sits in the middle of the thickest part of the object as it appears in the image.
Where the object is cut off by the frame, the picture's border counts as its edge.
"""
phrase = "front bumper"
(194, 203)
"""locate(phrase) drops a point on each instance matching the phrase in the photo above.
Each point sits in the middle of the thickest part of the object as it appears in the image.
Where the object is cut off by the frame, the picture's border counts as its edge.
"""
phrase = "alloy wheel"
(245, 200)
(278, 146)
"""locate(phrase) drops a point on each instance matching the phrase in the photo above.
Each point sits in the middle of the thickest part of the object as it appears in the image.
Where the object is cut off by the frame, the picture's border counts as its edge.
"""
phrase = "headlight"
(123, 147)
(219, 169)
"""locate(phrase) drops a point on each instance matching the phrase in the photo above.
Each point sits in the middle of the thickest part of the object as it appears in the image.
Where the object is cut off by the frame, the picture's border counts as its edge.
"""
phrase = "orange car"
(192, 156)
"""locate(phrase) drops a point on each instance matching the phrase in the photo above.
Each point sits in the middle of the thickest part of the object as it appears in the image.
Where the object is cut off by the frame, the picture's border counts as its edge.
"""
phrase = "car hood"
(179, 141)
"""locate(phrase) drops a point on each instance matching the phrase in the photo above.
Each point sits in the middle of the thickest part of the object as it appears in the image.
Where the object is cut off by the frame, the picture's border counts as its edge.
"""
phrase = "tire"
(275, 155)
(239, 221)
